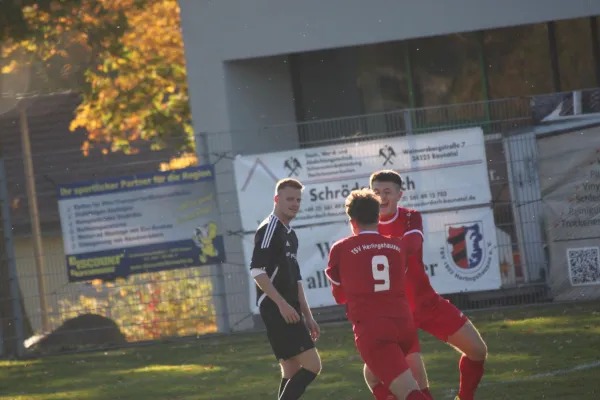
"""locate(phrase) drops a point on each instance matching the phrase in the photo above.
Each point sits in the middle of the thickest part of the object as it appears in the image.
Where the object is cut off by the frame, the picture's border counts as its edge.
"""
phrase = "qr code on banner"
(584, 265)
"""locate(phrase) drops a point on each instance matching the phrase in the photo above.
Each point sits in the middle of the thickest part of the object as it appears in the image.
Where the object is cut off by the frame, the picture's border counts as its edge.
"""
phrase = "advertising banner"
(440, 170)
(461, 254)
(134, 224)
(570, 183)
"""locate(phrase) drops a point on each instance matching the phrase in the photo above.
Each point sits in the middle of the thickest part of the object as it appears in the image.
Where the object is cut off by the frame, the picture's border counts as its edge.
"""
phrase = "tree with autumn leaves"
(125, 57)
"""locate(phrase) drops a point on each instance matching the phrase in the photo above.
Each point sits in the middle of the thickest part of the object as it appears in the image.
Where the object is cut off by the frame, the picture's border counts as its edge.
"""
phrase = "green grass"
(523, 343)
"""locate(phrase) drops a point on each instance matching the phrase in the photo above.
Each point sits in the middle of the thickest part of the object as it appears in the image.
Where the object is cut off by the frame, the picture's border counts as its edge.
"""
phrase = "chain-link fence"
(512, 130)
(53, 313)
(43, 311)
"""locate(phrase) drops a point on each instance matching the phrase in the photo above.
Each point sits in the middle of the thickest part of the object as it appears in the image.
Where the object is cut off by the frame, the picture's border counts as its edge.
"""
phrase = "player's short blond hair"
(362, 206)
(288, 182)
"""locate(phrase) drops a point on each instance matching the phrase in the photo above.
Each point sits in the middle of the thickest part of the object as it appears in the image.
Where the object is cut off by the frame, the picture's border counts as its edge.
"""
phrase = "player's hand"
(289, 313)
(313, 328)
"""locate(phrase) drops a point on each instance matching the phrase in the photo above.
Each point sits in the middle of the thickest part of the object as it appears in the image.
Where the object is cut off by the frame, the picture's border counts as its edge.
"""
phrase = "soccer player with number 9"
(432, 313)
(367, 273)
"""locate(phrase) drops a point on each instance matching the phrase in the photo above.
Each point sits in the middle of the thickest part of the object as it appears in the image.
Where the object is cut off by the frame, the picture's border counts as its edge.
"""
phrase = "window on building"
(575, 55)
(447, 72)
(327, 99)
(595, 21)
(595, 24)
(446, 69)
(325, 84)
(382, 77)
(518, 61)
(383, 82)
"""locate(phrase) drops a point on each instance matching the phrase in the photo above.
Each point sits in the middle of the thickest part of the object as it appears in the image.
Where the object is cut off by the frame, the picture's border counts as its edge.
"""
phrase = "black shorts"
(287, 340)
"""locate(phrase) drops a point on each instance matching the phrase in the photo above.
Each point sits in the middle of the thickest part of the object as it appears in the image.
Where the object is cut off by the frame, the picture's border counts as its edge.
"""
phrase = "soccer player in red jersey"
(431, 312)
(367, 272)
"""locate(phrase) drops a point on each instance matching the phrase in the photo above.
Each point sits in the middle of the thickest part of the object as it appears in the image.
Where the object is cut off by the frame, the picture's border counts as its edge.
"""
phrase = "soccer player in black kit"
(290, 326)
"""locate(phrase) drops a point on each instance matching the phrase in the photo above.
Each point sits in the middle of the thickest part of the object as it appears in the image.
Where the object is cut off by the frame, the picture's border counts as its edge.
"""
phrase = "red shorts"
(383, 344)
(442, 321)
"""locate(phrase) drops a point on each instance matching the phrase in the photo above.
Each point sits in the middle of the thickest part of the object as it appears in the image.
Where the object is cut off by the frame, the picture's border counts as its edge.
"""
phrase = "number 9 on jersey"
(381, 273)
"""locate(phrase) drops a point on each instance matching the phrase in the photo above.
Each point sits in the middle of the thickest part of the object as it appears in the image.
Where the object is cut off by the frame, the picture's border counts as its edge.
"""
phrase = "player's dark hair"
(362, 206)
(288, 182)
(386, 175)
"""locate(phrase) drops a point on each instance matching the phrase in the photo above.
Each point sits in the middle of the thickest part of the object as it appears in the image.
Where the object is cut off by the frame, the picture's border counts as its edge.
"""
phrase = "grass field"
(535, 353)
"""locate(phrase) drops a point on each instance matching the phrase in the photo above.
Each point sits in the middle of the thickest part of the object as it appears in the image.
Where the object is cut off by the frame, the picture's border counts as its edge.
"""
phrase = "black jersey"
(275, 249)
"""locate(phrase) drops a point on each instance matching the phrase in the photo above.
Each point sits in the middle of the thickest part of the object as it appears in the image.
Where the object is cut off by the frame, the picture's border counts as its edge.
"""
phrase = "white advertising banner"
(461, 254)
(440, 171)
(570, 183)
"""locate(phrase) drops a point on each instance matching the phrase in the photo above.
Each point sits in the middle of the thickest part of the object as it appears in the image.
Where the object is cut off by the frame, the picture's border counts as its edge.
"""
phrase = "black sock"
(297, 384)
(282, 386)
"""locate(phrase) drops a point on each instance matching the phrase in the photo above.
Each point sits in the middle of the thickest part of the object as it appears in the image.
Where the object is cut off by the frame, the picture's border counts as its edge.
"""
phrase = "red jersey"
(407, 225)
(367, 272)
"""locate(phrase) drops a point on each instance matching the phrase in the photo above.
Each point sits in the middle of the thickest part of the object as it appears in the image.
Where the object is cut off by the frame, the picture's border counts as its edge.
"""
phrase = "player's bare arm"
(312, 325)
(287, 312)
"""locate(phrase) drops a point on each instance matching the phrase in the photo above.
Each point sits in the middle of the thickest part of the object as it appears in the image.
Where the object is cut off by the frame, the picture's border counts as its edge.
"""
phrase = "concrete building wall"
(237, 29)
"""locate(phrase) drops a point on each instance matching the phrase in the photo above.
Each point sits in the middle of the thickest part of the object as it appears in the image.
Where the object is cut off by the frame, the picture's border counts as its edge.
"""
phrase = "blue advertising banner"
(144, 223)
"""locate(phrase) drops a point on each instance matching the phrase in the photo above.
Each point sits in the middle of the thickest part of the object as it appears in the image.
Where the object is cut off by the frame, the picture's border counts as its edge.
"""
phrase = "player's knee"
(481, 351)
(469, 342)
(370, 379)
(319, 366)
(312, 362)
(315, 367)
(289, 368)
(478, 350)
(417, 367)
(403, 385)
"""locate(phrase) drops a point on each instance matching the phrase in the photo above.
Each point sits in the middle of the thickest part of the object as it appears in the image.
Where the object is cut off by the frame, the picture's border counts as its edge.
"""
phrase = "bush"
(152, 305)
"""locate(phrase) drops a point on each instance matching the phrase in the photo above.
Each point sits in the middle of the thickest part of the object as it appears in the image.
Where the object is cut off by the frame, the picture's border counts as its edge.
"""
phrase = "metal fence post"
(36, 232)
(524, 178)
(12, 266)
(408, 126)
(577, 102)
(217, 276)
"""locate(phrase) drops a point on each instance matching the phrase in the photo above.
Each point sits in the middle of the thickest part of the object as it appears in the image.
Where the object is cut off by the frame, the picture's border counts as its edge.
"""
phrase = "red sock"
(382, 393)
(470, 376)
(427, 394)
(416, 395)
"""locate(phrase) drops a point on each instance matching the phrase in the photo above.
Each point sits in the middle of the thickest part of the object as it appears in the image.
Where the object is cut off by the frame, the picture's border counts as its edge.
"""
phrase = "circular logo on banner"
(467, 253)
